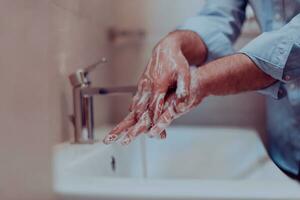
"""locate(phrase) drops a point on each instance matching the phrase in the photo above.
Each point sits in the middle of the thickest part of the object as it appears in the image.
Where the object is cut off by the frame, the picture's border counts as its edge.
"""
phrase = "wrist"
(204, 81)
(231, 75)
(191, 45)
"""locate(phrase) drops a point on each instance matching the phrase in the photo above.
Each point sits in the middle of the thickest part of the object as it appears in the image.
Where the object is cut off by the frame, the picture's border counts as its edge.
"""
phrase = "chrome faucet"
(83, 92)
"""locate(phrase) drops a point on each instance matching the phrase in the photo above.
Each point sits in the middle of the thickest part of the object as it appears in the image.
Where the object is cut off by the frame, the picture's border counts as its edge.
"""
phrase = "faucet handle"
(91, 67)
(80, 77)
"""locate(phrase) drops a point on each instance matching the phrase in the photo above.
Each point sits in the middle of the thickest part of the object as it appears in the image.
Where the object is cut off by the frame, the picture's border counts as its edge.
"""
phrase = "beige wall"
(41, 42)
(79, 34)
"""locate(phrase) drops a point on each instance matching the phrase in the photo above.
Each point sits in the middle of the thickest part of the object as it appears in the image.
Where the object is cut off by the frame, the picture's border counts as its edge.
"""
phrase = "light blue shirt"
(276, 51)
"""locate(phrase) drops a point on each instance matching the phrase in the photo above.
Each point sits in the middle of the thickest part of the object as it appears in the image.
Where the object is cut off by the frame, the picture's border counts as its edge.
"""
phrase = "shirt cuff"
(276, 90)
(218, 45)
(270, 53)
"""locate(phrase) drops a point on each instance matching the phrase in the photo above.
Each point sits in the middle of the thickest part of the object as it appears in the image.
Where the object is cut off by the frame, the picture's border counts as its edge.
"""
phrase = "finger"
(118, 130)
(135, 99)
(142, 105)
(156, 105)
(155, 109)
(130, 120)
(169, 99)
(163, 135)
(165, 107)
(139, 104)
(171, 110)
(140, 127)
(144, 85)
(143, 92)
(164, 121)
(158, 90)
(183, 79)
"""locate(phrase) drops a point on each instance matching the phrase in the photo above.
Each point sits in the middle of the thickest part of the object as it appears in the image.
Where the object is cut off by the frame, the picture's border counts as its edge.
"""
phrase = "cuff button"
(287, 78)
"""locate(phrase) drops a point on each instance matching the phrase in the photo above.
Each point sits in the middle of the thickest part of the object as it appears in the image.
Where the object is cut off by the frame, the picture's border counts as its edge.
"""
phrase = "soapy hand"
(228, 75)
(167, 68)
(171, 109)
(174, 108)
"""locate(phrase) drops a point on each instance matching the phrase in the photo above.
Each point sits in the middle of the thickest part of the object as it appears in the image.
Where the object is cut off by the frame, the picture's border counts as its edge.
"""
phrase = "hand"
(228, 75)
(174, 109)
(168, 68)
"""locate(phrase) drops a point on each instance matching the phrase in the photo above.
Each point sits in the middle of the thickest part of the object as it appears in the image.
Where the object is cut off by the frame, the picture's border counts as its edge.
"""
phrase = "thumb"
(183, 79)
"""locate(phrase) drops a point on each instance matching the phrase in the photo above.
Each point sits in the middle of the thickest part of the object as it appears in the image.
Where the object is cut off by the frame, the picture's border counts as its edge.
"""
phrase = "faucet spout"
(90, 91)
(83, 93)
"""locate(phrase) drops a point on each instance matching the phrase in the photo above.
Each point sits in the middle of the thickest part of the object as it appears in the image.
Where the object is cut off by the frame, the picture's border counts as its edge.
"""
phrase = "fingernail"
(110, 138)
(163, 136)
(159, 136)
(126, 141)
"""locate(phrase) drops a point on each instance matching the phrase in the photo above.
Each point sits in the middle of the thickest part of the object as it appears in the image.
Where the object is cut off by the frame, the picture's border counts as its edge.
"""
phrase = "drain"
(113, 164)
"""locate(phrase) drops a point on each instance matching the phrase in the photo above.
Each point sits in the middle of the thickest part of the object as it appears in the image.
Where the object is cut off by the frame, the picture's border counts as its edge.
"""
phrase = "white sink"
(192, 163)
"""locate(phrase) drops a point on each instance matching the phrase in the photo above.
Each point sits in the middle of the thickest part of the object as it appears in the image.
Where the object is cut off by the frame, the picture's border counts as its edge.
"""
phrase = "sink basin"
(192, 163)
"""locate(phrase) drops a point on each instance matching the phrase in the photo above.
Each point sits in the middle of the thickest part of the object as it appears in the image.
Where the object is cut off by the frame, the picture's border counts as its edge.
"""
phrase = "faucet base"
(85, 142)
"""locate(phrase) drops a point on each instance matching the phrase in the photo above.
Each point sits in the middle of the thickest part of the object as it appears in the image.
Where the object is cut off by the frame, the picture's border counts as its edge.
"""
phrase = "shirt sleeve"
(219, 25)
(277, 53)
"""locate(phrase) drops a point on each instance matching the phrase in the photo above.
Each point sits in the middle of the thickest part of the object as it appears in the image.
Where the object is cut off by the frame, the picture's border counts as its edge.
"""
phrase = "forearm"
(231, 75)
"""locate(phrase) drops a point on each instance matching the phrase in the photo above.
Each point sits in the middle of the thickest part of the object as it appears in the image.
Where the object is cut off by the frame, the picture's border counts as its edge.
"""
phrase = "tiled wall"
(41, 43)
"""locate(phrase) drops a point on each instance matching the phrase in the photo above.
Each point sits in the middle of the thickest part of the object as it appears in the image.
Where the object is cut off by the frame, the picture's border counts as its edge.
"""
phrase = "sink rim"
(187, 188)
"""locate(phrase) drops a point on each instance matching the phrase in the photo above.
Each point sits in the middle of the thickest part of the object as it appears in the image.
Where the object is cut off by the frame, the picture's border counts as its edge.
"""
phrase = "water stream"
(144, 156)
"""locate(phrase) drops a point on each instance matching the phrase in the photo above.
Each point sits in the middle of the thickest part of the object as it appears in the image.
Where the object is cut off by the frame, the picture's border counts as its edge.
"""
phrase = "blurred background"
(43, 41)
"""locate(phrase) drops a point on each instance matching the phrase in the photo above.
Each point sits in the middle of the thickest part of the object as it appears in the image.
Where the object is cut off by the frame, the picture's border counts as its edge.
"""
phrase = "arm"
(228, 75)
(211, 33)
(218, 24)
(231, 75)
(268, 61)
(276, 53)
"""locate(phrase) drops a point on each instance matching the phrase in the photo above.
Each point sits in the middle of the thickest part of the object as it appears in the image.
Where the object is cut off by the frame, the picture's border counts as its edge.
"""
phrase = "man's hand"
(167, 68)
(174, 108)
(228, 75)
